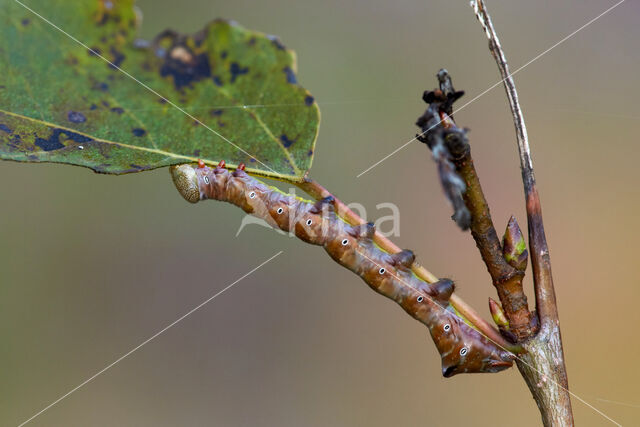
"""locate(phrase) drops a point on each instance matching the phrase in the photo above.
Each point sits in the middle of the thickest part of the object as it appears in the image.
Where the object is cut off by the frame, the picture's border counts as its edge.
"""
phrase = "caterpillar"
(462, 348)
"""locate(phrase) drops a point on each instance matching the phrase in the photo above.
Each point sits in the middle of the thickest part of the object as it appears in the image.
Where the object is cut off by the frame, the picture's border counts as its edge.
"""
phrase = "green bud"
(514, 247)
(498, 315)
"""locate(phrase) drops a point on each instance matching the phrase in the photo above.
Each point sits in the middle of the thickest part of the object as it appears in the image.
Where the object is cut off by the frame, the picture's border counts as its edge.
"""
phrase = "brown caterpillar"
(462, 348)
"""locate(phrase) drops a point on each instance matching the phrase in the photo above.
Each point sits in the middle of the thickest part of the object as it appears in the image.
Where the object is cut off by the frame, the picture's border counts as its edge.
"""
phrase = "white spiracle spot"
(464, 351)
(382, 270)
(447, 327)
(345, 242)
(206, 180)
(420, 298)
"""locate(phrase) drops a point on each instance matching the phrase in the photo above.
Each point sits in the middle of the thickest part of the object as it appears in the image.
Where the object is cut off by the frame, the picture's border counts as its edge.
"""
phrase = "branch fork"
(542, 366)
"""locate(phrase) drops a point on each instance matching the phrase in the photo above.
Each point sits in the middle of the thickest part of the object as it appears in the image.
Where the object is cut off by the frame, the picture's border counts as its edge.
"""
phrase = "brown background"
(92, 265)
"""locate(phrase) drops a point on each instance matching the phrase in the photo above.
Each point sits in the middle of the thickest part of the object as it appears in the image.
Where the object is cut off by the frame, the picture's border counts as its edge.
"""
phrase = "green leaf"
(60, 102)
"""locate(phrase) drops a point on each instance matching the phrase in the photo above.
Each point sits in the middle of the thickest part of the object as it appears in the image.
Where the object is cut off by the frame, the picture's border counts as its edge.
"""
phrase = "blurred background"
(92, 265)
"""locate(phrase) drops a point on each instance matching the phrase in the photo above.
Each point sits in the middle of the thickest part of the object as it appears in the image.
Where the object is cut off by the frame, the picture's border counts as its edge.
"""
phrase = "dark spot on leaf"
(53, 142)
(94, 51)
(75, 137)
(76, 117)
(137, 167)
(276, 42)
(103, 19)
(109, 14)
(217, 81)
(196, 123)
(216, 112)
(221, 124)
(138, 132)
(71, 60)
(236, 70)
(101, 86)
(15, 145)
(5, 128)
(186, 68)
(106, 104)
(308, 100)
(252, 41)
(117, 110)
(118, 57)
(162, 100)
(286, 141)
(93, 107)
(252, 160)
(291, 76)
(25, 22)
(223, 55)
(310, 153)
(196, 153)
(3, 87)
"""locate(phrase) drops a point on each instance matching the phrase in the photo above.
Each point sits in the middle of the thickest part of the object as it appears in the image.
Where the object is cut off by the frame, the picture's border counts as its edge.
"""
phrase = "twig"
(545, 349)
(450, 145)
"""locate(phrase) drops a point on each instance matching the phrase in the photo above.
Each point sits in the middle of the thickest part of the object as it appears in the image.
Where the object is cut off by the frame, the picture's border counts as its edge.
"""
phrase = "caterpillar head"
(186, 181)
(472, 355)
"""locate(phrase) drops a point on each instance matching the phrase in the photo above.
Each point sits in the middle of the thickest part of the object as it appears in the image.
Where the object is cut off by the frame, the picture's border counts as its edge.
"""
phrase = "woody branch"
(542, 366)
(451, 150)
